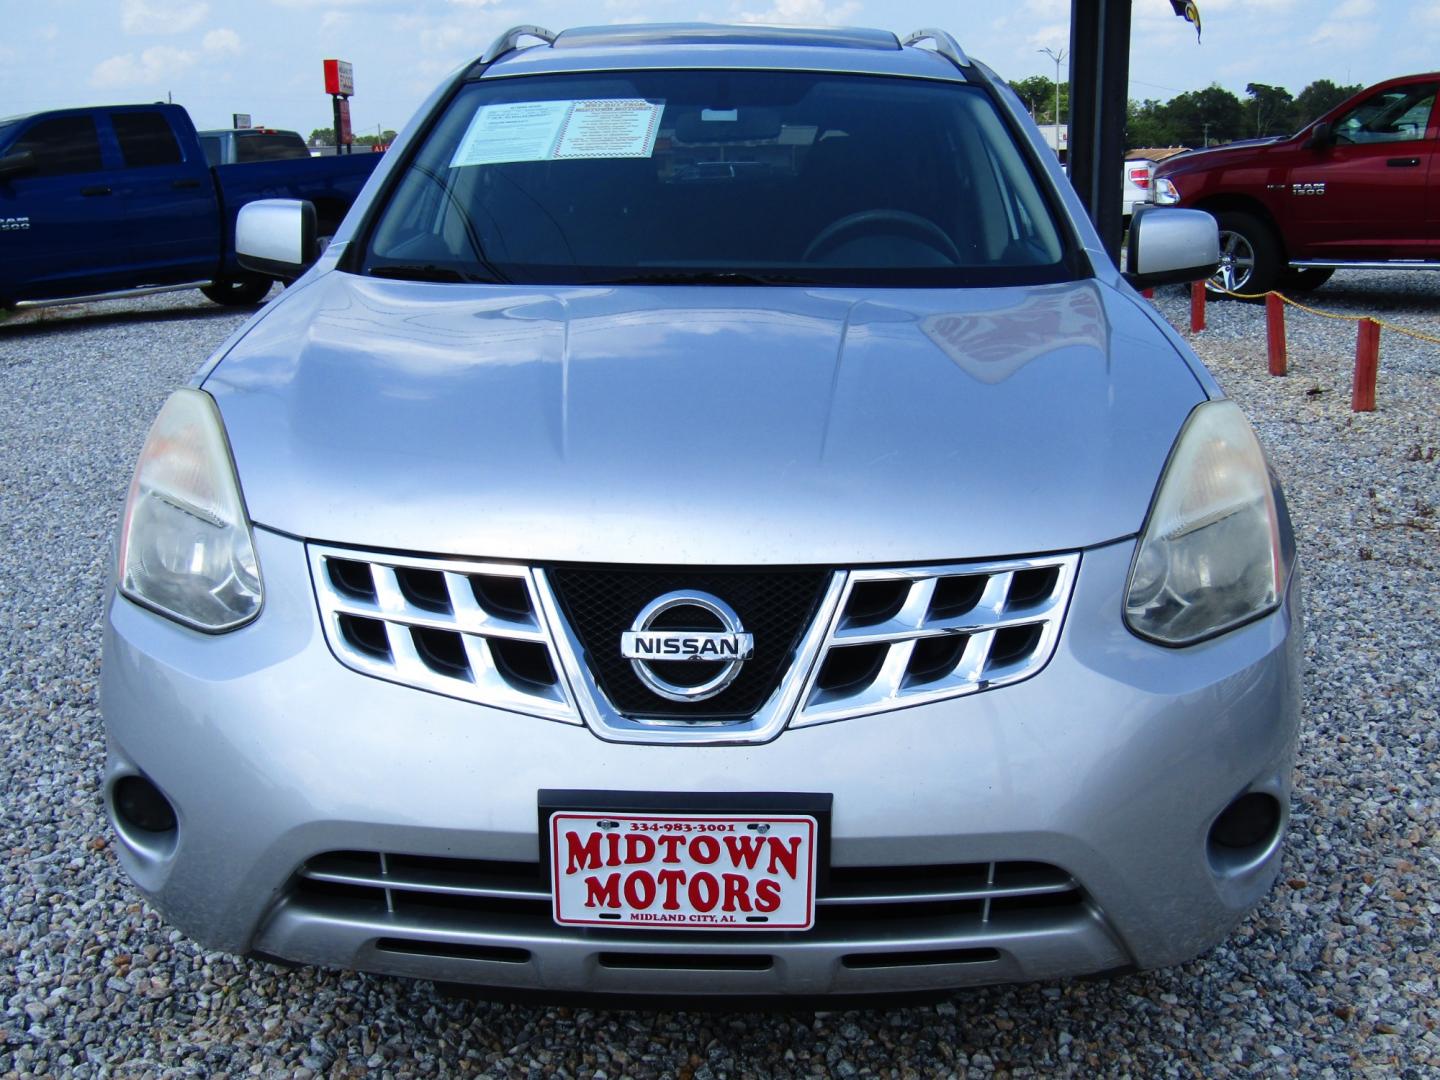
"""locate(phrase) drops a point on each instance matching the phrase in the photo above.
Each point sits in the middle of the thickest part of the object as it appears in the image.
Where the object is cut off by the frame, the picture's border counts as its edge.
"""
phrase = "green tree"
(324, 136)
(1205, 117)
(1038, 94)
(1147, 123)
(1270, 110)
(1318, 98)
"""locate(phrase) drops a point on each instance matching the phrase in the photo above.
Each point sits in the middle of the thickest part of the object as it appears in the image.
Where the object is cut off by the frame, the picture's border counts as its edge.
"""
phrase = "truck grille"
(464, 629)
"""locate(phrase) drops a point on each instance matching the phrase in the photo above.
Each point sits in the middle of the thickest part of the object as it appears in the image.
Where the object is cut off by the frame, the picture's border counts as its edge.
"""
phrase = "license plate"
(691, 872)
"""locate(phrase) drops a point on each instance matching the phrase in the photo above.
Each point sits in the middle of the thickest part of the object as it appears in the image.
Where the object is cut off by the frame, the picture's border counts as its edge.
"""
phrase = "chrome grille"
(424, 888)
(470, 630)
(912, 635)
(879, 639)
(487, 922)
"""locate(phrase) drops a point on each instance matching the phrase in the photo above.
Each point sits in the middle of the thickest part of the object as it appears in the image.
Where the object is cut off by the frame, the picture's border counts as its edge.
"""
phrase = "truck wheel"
(1304, 280)
(238, 291)
(1249, 255)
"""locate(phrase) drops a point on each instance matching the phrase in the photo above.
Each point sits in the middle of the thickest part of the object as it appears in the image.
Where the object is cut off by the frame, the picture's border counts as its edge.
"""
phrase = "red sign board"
(339, 78)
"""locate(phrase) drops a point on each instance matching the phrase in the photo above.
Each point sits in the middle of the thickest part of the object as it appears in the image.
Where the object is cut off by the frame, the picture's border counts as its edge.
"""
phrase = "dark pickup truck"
(1357, 189)
(119, 200)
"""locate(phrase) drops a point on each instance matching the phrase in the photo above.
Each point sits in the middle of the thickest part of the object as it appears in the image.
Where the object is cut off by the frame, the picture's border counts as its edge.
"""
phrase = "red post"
(1367, 366)
(1275, 332)
(1197, 307)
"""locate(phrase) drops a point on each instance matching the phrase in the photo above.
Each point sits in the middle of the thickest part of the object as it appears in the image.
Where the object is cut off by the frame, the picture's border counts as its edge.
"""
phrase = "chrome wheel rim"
(1237, 263)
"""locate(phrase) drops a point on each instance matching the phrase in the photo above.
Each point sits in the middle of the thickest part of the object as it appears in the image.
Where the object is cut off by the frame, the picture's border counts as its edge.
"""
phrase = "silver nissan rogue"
(713, 520)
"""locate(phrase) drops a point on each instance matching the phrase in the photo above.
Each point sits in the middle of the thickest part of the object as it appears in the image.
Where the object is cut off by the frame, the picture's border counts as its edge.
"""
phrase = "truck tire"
(1304, 280)
(1249, 255)
(243, 291)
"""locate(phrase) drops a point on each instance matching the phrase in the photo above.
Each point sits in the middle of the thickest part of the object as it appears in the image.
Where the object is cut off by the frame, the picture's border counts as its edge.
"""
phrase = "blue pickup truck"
(119, 200)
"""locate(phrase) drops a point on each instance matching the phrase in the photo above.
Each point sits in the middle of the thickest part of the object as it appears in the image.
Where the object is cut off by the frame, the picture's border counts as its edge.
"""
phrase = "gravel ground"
(1335, 975)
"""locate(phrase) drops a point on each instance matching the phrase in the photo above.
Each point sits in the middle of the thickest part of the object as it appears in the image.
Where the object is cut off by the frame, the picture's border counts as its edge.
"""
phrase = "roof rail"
(509, 41)
(945, 45)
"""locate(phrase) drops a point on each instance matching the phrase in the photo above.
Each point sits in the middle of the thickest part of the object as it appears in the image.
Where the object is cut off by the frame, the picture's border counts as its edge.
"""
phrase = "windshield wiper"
(426, 272)
(703, 277)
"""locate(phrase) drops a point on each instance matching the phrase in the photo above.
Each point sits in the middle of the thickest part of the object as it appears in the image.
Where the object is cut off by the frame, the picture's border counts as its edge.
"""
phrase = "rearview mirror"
(744, 124)
(276, 237)
(18, 162)
(1169, 246)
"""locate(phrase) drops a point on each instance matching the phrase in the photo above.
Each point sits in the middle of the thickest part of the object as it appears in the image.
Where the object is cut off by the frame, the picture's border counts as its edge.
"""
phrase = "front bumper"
(1112, 764)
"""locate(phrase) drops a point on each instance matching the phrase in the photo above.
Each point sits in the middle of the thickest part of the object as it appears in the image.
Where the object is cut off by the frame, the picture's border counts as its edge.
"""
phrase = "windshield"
(276, 147)
(718, 176)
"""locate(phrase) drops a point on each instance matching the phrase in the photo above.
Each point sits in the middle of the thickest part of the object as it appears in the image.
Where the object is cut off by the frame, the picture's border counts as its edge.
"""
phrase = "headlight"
(1210, 557)
(185, 543)
(1164, 192)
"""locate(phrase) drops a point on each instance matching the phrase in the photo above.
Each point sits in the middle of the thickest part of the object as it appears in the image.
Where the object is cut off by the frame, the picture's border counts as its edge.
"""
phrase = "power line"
(1157, 86)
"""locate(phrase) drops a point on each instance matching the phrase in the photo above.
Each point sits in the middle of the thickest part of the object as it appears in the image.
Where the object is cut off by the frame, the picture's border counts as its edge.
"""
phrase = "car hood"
(1192, 160)
(702, 425)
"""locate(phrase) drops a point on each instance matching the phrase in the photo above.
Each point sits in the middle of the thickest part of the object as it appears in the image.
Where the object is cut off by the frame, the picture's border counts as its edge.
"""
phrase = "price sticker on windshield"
(560, 130)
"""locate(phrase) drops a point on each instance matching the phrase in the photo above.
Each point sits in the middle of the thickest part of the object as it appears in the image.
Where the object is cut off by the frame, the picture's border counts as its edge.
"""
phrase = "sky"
(264, 57)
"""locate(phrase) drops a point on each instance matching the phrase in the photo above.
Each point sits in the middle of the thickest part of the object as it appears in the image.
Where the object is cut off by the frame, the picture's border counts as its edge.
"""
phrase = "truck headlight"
(1164, 192)
(1210, 557)
(185, 544)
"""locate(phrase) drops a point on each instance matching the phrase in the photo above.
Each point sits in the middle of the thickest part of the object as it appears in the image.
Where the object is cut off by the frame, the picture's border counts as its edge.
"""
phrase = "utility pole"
(1058, 58)
(1206, 125)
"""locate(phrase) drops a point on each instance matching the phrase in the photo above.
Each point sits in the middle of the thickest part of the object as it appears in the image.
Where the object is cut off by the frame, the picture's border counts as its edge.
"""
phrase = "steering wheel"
(892, 221)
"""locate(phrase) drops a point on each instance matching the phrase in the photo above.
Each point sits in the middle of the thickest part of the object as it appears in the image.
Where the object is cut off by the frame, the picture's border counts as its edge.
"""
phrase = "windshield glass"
(718, 176)
(278, 147)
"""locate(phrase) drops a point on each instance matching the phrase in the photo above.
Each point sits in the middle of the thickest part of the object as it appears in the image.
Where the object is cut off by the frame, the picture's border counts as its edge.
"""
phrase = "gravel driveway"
(1334, 976)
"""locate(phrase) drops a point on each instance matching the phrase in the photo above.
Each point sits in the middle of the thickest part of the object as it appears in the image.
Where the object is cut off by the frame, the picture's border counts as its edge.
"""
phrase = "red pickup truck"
(1357, 189)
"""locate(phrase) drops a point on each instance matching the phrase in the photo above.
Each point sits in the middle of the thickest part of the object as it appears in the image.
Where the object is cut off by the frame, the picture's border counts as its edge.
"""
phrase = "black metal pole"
(335, 105)
(1099, 94)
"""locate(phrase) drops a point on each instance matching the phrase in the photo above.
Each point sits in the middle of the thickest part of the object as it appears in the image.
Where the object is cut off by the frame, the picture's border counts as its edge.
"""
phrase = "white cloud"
(803, 12)
(333, 19)
(1055, 36)
(161, 16)
(1046, 9)
(150, 67)
(461, 34)
(1348, 25)
(221, 42)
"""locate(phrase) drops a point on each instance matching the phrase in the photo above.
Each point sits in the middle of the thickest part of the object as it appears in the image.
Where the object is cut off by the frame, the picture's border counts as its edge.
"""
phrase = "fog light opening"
(142, 807)
(1246, 832)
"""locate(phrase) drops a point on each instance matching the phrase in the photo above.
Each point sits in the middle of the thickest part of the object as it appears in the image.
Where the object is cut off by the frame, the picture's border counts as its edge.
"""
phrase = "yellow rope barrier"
(1335, 315)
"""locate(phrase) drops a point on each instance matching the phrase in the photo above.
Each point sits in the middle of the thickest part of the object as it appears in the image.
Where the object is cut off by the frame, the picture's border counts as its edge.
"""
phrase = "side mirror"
(276, 237)
(18, 162)
(1169, 246)
(1322, 136)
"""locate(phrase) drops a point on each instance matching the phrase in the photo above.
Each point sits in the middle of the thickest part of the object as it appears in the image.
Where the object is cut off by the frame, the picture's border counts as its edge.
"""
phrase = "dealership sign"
(339, 78)
(682, 871)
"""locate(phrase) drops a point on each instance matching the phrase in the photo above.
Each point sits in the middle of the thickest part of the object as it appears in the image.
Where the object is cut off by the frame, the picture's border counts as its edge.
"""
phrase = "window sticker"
(558, 130)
